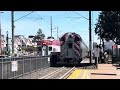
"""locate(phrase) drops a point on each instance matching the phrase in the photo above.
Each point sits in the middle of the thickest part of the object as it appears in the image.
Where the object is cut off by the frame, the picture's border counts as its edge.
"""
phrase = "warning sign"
(96, 52)
(14, 66)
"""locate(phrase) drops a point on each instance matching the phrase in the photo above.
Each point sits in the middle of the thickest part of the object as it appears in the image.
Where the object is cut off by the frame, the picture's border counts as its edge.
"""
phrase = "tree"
(39, 36)
(108, 26)
(30, 49)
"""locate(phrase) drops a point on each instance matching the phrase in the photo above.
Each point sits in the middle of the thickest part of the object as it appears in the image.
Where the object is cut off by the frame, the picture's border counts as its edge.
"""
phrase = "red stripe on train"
(76, 48)
(77, 43)
(76, 53)
(62, 43)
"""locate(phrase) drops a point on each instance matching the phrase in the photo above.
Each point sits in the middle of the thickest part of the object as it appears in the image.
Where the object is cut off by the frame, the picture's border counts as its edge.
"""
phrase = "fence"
(15, 67)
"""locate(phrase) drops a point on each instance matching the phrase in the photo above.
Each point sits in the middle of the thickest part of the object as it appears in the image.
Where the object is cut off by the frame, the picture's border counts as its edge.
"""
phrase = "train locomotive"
(47, 46)
(72, 47)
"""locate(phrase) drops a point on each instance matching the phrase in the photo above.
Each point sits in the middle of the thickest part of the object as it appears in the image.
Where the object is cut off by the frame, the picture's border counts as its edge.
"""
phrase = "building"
(20, 43)
(3, 44)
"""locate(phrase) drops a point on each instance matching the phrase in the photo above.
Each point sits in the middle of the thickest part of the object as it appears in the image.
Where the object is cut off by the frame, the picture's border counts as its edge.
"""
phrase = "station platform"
(104, 71)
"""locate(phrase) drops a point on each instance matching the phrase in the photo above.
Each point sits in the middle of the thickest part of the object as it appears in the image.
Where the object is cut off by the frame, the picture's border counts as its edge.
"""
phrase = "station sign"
(14, 65)
(97, 52)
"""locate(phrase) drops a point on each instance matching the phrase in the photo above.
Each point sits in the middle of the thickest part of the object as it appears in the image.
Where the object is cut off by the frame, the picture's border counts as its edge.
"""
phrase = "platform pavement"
(104, 71)
(86, 60)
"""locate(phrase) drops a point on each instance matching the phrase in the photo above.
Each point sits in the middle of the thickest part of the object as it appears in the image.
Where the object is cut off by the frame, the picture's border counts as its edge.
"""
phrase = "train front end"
(70, 48)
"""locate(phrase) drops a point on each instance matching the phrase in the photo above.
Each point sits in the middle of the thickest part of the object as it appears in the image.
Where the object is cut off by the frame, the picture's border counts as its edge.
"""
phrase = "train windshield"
(77, 39)
(70, 45)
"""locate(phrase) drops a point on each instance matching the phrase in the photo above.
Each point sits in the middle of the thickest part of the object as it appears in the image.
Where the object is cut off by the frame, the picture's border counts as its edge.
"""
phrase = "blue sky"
(30, 24)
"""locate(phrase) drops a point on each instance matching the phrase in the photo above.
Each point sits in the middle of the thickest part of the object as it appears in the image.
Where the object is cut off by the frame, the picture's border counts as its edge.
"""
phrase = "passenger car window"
(50, 48)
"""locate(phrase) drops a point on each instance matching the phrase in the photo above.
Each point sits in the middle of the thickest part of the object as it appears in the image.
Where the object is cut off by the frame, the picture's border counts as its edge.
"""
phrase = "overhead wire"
(23, 16)
(80, 15)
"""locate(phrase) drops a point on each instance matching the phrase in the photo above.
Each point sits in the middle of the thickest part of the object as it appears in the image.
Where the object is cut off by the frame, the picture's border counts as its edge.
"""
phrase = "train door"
(50, 49)
(70, 50)
(44, 51)
(39, 48)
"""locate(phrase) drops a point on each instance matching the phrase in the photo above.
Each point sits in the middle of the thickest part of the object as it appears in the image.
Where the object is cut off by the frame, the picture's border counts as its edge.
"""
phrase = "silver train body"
(73, 49)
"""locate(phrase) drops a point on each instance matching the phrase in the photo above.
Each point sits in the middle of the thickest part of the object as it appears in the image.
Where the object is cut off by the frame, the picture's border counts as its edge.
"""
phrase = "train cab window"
(50, 48)
(77, 39)
(39, 49)
(70, 45)
(62, 39)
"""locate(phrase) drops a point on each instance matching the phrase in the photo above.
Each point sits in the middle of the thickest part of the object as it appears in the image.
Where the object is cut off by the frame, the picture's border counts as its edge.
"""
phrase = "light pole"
(12, 20)
(51, 25)
(57, 32)
(90, 41)
(0, 37)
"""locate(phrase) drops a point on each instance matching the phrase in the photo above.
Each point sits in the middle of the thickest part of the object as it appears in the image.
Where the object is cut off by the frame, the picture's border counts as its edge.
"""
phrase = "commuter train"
(73, 49)
(47, 46)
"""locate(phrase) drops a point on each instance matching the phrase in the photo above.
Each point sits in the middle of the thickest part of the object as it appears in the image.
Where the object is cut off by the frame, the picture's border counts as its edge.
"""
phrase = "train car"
(54, 46)
(49, 45)
(73, 48)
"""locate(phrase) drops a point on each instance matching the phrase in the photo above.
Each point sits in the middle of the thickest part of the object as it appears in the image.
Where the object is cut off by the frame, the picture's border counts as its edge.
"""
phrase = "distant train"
(73, 49)
(47, 46)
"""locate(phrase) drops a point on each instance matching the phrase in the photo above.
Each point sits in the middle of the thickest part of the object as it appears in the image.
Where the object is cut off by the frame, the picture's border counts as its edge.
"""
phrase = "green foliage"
(30, 49)
(108, 26)
(39, 36)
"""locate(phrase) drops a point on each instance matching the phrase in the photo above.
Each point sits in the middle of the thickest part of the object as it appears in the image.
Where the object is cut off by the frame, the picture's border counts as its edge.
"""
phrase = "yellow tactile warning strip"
(79, 74)
(84, 74)
(75, 74)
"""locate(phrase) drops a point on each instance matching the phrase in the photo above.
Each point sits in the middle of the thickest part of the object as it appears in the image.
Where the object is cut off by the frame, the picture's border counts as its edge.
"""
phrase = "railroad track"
(67, 74)
(61, 73)
(52, 73)
(38, 73)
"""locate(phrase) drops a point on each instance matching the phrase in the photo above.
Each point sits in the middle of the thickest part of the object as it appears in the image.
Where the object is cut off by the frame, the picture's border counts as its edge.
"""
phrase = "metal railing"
(12, 68)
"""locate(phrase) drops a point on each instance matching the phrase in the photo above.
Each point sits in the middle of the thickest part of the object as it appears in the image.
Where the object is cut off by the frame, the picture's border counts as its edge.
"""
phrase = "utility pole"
(12, 20)
(51, 25)
(57, 33)
(90, 41)
(100, 55)
(7, 43)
